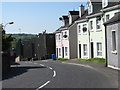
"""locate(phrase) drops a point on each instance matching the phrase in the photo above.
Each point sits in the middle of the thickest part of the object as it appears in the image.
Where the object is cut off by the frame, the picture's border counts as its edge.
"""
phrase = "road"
(59, 74)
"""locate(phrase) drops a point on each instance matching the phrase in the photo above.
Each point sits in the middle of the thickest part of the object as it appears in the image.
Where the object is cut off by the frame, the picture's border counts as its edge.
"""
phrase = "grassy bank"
(62, 59)
(100, 60)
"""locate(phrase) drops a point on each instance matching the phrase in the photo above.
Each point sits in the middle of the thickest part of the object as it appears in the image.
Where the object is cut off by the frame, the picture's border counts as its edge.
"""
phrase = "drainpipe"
(106, 45)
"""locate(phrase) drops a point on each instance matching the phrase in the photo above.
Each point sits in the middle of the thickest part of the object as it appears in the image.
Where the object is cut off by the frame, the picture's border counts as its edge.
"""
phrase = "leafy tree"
(6, 40)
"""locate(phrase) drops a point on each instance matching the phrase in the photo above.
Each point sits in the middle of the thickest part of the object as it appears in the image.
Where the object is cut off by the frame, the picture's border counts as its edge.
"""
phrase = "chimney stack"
(81, 10)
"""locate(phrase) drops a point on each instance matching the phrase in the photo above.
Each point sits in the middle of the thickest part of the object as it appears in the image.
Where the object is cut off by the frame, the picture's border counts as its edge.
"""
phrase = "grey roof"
(114, 19)
(74, 12)
(83, 16)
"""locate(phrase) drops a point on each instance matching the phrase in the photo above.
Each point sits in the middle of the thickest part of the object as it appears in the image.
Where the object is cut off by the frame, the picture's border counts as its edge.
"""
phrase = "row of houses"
(86, 33)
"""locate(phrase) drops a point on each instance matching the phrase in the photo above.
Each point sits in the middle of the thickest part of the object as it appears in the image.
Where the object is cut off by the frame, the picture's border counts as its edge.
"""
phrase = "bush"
(101, 60)
(62, 59)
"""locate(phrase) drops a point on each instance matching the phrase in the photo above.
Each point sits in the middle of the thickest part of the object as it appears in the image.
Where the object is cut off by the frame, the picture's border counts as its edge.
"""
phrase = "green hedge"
(101, 60)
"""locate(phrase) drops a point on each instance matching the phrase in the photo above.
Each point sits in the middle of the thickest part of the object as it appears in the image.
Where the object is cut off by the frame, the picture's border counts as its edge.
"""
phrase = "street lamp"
(7, 24)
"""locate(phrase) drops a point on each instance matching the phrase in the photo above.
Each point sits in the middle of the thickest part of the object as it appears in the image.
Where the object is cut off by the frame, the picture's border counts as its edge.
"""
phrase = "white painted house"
(92, 43)
(66, 36)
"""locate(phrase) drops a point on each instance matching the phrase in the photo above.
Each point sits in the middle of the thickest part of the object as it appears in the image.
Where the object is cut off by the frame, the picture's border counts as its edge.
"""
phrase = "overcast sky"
(35, 17)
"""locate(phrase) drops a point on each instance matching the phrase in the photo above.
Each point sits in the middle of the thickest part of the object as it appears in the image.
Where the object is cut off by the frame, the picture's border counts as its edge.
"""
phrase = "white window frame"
(59, 37)
(85, 50)
(84, 25)
(98, 23)
(99, 48)
(66, 51)
(114, 43)
(91, 25)
(108, 15)
(59, 51)
(79, 29)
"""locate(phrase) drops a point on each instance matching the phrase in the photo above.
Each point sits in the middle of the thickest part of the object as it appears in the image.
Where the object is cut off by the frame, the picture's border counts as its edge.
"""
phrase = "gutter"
(94, 15)
(82, 20)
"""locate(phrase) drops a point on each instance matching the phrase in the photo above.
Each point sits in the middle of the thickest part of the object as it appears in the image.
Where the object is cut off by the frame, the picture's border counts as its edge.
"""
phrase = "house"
(91, 44)
(66, 36)
(113, 42)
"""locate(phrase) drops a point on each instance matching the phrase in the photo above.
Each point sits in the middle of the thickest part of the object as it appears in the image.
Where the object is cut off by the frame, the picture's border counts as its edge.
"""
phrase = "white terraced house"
(90, 28)
(66, 36)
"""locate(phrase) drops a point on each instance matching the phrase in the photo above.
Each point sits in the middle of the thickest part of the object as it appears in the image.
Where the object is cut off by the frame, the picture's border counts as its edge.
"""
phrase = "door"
(79, 50)
(57, 52)
(92, 50)
(62, 52)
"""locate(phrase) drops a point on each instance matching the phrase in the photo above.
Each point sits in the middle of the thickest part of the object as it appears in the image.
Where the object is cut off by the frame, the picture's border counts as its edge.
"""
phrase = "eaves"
(94, 15)
(82, 20)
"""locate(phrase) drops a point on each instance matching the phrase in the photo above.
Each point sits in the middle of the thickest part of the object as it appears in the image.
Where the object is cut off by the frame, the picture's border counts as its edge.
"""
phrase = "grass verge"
(100, 60)
(62, 59)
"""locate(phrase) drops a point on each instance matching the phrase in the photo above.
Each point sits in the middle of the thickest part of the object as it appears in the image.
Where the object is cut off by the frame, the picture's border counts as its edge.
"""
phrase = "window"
(59, 36)
(84, 28)
(91, 25)
(105, 3)
(98, 22)
(65, 34)
(62, 34)
(99, 49)
(107, 17)
(85, 49)
(114, 40)
(66, 51)
(79, 29)
(59, 51)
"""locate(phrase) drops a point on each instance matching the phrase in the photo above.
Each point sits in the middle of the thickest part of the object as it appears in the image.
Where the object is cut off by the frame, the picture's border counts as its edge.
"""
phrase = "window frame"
(99, 49)
(85, 50)
(114, 43)
(98, 23)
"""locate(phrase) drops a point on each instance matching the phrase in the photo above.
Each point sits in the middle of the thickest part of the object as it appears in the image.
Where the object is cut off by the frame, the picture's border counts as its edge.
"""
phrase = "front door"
(79, 50)
(62, 52)
(92, 50)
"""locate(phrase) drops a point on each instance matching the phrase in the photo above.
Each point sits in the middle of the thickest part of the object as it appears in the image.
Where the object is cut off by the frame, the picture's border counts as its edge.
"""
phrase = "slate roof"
(74, 12)
(83, 16)
(114, 19)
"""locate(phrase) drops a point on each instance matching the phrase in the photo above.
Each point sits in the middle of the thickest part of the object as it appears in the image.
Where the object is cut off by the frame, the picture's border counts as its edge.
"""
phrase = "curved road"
(58, 74)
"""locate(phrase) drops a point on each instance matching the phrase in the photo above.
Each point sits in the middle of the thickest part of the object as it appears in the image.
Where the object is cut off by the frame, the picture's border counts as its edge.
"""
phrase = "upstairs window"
(91, 25)
(105, 3)
(98, 23)
(107, 17)
(84, 28)
(79, 29)
(65, 34)
(59, 36)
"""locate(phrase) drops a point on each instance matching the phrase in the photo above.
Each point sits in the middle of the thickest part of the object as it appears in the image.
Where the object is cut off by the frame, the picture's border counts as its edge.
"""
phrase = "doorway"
(92, 50)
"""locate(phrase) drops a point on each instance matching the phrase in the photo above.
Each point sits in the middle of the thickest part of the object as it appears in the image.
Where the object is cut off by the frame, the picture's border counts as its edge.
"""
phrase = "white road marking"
(50, 68)
(42, 65)
(87, 66)
(43, 85)
(54, 73)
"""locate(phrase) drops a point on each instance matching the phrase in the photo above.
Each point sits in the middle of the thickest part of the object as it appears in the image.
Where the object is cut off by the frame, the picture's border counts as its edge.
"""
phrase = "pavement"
(60, 74)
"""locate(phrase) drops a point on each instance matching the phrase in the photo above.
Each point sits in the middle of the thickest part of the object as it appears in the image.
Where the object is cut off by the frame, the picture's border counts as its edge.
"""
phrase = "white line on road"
(43, 85)
(54, 73)
(87, 66)
(50, 68)
(42, 65)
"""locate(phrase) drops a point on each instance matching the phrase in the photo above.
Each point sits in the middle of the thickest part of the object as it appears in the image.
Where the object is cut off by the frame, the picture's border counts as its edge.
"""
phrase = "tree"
(6, 40)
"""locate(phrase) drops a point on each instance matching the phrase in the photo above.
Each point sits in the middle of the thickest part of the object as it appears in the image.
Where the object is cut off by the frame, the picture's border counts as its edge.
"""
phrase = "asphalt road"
(58, 74)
